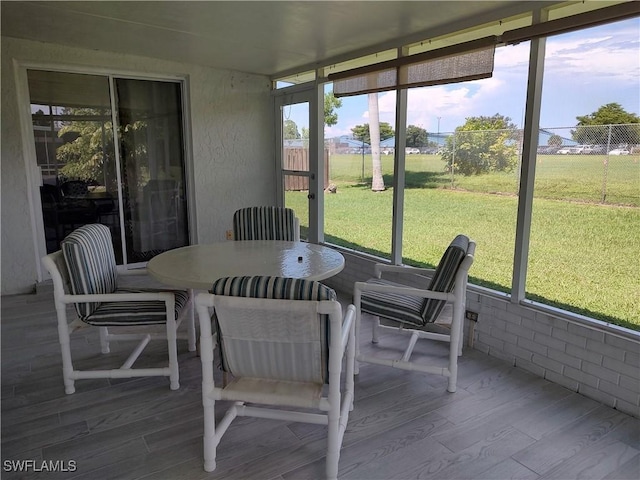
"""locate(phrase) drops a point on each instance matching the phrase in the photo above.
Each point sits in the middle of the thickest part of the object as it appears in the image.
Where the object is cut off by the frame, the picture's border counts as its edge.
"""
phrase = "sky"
(583, 71)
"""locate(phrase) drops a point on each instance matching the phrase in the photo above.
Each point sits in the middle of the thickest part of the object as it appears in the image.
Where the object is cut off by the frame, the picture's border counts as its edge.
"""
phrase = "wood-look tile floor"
(502, 423)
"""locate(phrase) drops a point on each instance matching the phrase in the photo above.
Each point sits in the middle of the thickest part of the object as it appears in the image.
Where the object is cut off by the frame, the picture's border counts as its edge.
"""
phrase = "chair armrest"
(118, 297)
(416, 292)
(379, 268)
(347, 324)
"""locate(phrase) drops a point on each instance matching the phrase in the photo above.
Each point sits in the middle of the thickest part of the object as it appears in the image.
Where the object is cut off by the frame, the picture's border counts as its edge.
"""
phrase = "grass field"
(584, 255)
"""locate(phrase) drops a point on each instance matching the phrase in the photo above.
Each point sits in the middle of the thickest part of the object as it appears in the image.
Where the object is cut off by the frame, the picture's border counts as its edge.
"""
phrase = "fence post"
(606, 167)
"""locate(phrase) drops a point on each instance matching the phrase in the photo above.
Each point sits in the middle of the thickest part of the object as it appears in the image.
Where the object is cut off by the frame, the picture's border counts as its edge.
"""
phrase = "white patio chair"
(401, 307)
(266, 223)
(281, 340)
(85, 274)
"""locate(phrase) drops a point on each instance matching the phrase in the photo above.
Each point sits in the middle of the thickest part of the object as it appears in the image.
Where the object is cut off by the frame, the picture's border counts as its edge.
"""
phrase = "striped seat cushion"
(402, 308)
(91, 264)
(264, 223)
(445, 276)
(276, 346)
(135, 312)
(416, 310)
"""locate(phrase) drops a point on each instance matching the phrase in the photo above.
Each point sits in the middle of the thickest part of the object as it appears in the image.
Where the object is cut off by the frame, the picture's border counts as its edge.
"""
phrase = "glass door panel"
(73, 133)
(85, 179)
(152, 167)
(294, 123)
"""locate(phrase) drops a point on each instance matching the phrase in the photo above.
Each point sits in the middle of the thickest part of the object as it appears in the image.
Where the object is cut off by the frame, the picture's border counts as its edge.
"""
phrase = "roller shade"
(458, 63)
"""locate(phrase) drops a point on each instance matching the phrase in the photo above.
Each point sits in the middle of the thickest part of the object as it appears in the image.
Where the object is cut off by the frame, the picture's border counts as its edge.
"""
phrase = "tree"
(361, 132)
(554, 140)
(482, 145)
(416, 136)
(609, 125)
(331, 103)
(90, 156)
(377, 181)
(290, 130)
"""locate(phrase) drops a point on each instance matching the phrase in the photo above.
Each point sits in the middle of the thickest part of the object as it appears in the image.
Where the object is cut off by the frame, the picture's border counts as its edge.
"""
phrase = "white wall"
(231, 137)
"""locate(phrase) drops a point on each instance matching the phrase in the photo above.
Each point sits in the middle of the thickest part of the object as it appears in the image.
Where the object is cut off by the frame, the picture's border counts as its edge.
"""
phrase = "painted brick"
(597, 395)
(561, 380)
(532, 346)
(628, 408)
(500, 334)
(584, 354)
(601, 372)
(586, 332)
(627, 344)
(572, 338)
(530, 367)
(491, 341)
(518, 352)
(501, 355)
(537, 325)
(519, 311)
(604, 349)
(619, 392)
(581, 377)
(520, 331)
(564, 358)
(497, 324)
(481, 347)
(632, 358)
(547, 363)
(622, 368)
(549, 341)
(630, 383)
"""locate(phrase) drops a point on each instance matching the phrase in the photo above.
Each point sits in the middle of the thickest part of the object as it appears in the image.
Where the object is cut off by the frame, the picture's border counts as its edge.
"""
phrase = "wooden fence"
(298, 159)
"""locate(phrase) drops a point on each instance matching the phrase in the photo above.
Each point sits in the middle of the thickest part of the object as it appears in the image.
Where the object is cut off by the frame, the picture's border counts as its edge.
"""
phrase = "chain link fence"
(594, 164)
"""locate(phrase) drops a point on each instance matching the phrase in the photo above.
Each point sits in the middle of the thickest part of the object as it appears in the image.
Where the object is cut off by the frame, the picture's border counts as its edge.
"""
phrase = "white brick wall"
(599, 361)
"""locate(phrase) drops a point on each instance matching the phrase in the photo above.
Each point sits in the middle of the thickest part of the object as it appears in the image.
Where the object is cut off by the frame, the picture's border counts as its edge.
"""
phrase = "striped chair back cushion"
(264, 223)
(444, 277)
(279, 344)
(91, 263)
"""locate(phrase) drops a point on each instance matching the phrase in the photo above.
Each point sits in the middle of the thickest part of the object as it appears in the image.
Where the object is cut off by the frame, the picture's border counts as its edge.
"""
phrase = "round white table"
(198, 266)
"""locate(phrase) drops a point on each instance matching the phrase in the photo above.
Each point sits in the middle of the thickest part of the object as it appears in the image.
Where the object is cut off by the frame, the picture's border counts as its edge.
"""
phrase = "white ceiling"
(263, 37)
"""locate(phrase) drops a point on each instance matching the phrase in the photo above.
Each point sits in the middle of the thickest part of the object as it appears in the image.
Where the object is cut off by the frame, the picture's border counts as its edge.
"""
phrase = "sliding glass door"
(130, 178)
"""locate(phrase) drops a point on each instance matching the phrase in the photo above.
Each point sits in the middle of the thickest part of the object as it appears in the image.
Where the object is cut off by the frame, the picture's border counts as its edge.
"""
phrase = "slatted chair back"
(264, 338)
(265, 223)
(90, 264)
(444, 277)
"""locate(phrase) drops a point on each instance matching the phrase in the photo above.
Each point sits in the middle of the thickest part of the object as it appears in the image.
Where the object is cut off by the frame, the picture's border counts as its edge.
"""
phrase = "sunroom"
(245, 92)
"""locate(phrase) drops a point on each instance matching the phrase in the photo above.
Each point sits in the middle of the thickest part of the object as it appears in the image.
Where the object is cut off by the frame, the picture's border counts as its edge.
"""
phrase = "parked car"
(568, 150)
(410, 151)
(619, 151)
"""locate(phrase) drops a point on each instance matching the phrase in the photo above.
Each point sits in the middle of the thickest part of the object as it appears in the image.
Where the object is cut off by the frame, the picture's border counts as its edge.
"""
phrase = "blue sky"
(583, 71)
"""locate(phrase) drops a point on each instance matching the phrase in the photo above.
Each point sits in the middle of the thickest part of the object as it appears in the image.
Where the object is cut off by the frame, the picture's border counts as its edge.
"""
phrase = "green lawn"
(584, 255)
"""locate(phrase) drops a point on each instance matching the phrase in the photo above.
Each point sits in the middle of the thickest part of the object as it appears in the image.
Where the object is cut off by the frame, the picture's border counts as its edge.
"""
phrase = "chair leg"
(333, 446)
(191, 325)
(210, 443)
(65, 349)
(375, 329)
(104, 340)
(174, 372)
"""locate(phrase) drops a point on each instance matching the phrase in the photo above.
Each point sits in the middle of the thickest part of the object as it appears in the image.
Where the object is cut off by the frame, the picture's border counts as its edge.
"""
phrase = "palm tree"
(377, 182)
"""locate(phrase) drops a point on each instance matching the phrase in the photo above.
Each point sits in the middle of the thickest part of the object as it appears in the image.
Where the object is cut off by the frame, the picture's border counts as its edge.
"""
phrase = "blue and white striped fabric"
(279, 345)
(416, 310)
(264, 223)
(91, 264)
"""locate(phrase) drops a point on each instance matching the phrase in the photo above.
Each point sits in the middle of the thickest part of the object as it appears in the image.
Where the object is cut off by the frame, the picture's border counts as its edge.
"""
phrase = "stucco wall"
(231, 137)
